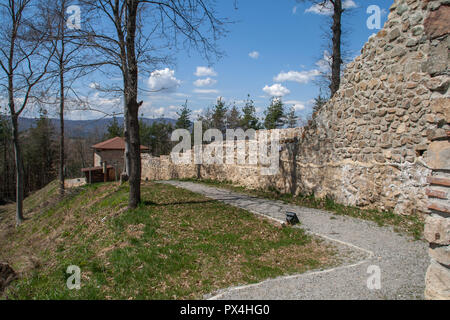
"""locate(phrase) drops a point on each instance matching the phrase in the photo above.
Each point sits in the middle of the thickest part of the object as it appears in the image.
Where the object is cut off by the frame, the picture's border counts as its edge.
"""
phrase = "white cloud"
(206, 91)
(205, 82)
(182, 95)
(276, 90)
(159, 111)
(254, 55)
(327, 9)
(297, 76)
(324, 64)
(298, 105)
(205, 72)
(163, 80)
(151, 111)
(103, 105)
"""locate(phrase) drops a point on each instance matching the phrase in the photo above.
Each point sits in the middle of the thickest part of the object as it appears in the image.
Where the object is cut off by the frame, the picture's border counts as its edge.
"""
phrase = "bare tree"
(135, 31)
(336, 28)
(23, 67)
(69, 63)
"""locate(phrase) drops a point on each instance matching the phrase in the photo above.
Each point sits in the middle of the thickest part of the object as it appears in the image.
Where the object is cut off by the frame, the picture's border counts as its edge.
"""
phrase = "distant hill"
(85, 128)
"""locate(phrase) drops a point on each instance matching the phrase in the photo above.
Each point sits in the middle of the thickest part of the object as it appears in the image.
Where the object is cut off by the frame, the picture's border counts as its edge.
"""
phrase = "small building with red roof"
(109, 159)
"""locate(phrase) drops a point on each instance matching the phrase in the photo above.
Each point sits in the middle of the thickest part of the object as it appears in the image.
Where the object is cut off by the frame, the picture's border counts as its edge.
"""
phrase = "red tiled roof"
(116, 143)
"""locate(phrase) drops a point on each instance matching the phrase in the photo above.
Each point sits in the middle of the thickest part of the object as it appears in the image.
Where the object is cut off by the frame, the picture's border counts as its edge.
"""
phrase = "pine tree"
(275, 115)
(249, 119)
(291, 118)
(114, 129)
(319, 102)
(219, 116)
(40, 154)
(184, 115)
(158, 135)
(234, 118)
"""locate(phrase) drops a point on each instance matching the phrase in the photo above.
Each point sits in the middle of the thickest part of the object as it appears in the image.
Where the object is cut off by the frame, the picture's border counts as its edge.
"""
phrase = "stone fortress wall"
(367, 146)
(381, 142)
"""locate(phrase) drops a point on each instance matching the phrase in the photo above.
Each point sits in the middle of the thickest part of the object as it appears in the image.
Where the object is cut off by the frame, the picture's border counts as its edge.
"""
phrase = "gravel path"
(402, 260)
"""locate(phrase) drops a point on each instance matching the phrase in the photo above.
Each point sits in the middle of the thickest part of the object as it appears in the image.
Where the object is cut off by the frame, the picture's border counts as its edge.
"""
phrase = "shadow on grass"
(154, 204)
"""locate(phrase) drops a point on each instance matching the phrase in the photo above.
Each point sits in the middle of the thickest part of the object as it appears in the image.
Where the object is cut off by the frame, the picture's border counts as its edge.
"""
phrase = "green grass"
(412, 225)
(176, 245)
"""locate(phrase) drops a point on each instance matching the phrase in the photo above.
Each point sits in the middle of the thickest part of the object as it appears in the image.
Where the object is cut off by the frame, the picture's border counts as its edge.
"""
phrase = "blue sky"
(285, 38)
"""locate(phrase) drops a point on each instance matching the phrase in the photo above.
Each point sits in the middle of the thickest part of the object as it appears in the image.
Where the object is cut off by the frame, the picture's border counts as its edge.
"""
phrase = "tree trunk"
(336, 56)
(133, 108)
(61, 124)
(62, 100)
(126, 134)
(6, 190)
(19, 171)
(135, 155)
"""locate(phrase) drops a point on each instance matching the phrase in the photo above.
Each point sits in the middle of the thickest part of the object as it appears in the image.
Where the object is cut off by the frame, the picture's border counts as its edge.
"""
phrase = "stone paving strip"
(402, 260)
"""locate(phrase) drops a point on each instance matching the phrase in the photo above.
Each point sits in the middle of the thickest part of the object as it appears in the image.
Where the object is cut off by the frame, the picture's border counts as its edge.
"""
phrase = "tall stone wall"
(437, 227)
(437, 157)
(366, 146)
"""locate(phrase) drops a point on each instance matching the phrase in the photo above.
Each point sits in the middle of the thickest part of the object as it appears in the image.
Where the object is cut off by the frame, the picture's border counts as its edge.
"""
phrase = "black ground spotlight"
(291, 218)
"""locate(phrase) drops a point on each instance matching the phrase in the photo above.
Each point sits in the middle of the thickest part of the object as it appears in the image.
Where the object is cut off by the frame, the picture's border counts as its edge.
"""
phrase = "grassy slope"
(177, 245)
(412, 225)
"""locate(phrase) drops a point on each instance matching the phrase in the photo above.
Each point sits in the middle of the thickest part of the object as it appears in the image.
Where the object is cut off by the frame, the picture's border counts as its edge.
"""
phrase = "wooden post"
(105, 171)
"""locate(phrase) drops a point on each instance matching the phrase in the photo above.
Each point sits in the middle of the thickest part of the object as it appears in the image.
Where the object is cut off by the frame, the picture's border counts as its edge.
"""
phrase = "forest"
(41, 142)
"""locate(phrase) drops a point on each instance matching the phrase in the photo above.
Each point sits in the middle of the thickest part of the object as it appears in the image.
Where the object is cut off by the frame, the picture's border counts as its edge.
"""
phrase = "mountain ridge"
(84, 128)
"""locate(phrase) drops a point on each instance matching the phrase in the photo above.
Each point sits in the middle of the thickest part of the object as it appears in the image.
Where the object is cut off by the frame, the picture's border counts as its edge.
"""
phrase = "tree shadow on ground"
(154, 204)
(189, 202)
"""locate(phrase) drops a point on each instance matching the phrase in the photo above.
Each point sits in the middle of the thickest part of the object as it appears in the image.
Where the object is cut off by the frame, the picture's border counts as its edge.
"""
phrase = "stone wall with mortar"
(366, 146)
(437, 226)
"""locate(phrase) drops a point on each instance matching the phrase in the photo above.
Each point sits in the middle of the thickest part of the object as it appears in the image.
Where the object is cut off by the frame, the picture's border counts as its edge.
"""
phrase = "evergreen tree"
(159, 134)
(291, 118)
(219, 116)
(156, 137)
(144, 132)
(234, 118)
(114, 130)
(184, 115)
(207, 123)
(40, 154)
(275, 115)
(319, 102)
(249, 119)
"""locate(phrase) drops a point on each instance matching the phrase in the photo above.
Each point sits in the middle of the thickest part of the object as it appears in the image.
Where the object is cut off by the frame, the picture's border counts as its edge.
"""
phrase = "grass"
(176, 245)
(412, 225)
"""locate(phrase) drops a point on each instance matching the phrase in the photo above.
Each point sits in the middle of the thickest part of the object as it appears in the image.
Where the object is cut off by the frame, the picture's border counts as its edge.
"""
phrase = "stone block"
(437, 230)
(441, 254)
(439, 84)
(437, 282)
(437, 62)
(438, 155)
(436, 24)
